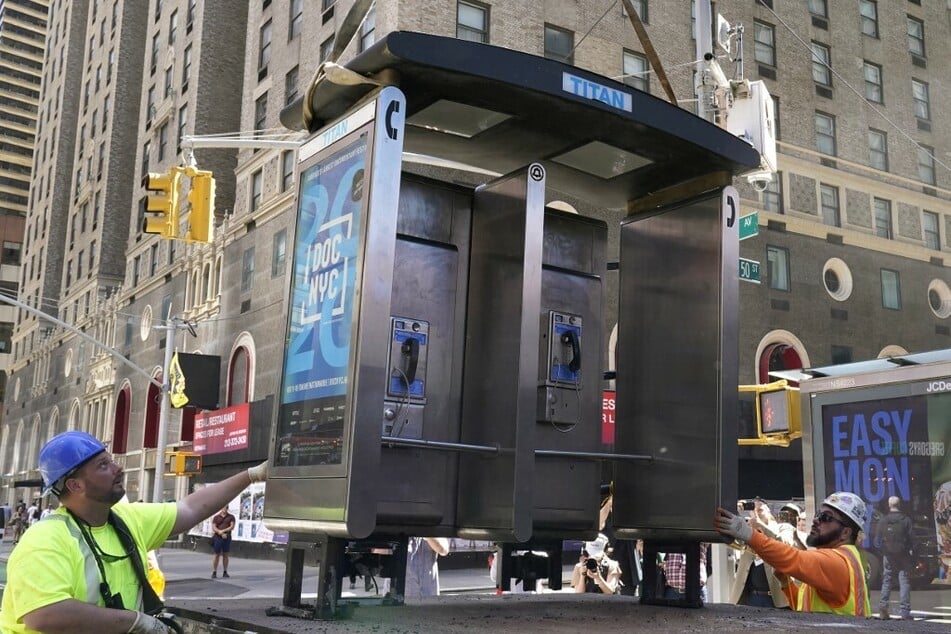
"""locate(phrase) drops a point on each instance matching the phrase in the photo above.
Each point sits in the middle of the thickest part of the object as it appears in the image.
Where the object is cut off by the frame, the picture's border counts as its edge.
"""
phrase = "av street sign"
(749, 270)
(749, 226)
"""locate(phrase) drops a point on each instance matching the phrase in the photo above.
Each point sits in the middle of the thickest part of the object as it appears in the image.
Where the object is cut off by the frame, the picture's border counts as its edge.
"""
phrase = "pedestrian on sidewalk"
(422, 567)
(83, 568)
(222, 524)
(894, 531)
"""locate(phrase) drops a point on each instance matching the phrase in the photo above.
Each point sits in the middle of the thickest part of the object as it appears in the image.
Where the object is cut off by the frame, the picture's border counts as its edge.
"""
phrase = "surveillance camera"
(760, 180)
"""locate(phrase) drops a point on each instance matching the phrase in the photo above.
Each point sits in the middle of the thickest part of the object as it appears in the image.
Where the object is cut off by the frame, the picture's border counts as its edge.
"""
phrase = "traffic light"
(182, 463)
(778, 414)
(165, 203)
(201, 218)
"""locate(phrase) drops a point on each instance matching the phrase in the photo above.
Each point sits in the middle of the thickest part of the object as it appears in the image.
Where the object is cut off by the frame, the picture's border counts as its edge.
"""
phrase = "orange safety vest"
(858, 601)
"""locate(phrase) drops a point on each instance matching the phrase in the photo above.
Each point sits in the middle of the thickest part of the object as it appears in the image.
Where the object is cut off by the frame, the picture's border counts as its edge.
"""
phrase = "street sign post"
(749, 226)
(749, 270)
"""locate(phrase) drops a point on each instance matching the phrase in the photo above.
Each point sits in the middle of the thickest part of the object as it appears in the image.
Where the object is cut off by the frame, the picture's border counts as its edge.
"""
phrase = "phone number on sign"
(236, 441)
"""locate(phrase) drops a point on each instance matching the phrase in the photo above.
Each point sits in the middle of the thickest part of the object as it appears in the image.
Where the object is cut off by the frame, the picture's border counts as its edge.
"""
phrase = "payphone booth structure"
(445, 342)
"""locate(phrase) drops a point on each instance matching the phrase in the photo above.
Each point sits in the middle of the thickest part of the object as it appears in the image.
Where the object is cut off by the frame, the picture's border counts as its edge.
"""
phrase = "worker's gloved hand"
(733, 525)
(145, 624)
(258, 473)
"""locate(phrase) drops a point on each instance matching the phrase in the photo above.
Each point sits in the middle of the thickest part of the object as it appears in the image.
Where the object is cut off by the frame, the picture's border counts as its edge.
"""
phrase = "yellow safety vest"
(857, 603)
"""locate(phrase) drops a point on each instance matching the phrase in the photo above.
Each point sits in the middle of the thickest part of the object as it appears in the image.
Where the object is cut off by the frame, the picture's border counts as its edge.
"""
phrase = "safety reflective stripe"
(858, 594)
(90, 569)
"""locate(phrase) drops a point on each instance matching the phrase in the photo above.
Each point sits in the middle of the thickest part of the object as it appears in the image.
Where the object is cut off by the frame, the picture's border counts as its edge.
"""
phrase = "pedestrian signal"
(182, 463)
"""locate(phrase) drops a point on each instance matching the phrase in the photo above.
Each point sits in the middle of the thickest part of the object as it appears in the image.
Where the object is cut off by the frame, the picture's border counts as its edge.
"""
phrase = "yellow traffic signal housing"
(201, 218)
(778, 414)
(182, 463)
(165, 203)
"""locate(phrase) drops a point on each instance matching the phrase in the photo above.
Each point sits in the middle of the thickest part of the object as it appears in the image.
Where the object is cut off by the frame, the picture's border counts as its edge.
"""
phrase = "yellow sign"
(176, 382)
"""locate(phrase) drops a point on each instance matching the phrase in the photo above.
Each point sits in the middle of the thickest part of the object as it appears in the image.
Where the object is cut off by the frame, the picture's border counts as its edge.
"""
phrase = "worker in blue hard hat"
(83, 567)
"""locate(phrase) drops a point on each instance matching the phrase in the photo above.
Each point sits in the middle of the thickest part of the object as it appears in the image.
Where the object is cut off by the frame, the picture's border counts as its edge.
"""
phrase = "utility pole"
(171, 327)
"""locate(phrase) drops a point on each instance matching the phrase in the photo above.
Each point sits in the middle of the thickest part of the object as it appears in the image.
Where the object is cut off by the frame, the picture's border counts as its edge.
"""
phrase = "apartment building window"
(776, 126)
(326, 48)
(260, 112)
(86, 94)
(257, 186)
(150, 104)
(296, 19)
(136, 269)
(472, 21)
(825, 133)
(930, 228)
(92, 254)
(326, 4)
(777, 259)
(247, 270)
(821, 64)
(163, 141)
(926, 171)
(264, 50)
(109, 64)
(772, 197)
(819, 8)
(841, 354)
(920, 94)
(368, 30)
(98, 77)
(279, 253)
(167, 83)
(916, 36)
(764, 43)
(158, 10)
(868, 10)
(153, 262)
(290, 85)
(155, 52)
(146, 148)
(829, 205)
(891, 290)
(182, 124)
(878, 149)
(287, 170)
(635, 69)
(190, 15)
(106, 107)
(186, 67)
(559, 44)
(11, 253)
(640, 7)
(873, 83)
(883, 218)
(172, 27)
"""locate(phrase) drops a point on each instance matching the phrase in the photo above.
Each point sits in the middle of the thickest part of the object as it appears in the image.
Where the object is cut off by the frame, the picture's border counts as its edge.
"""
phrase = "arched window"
(238, 372)
(217, 278)
(18, 449)
(34, 448)
(206, 282)
(152, 407)
(777, 357)
(120, 429)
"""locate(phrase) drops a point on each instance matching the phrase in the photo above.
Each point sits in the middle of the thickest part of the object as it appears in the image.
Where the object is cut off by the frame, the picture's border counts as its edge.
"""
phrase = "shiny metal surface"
(501, 362)
(566, 487)
(677, 370)
(320, 498)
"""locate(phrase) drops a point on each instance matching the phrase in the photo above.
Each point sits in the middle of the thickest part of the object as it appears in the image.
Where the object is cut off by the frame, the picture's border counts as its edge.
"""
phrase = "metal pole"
(396, 441)
(704, 23)
(170, 328)
(76, 331)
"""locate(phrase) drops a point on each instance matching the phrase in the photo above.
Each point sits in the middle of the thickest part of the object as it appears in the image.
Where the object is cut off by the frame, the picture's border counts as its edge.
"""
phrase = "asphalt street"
(188, 575)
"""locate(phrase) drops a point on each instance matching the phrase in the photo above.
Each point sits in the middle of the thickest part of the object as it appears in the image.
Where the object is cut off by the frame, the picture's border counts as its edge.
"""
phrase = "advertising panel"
(896, 447)
(326, 267)
(248, 510)
(222, 430)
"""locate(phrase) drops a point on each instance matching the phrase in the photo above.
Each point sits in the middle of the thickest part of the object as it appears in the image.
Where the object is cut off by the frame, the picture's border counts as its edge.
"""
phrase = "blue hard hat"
(64, 454)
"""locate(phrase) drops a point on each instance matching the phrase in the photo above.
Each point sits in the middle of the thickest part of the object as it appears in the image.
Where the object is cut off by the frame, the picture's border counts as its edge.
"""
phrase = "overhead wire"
(596, 23)
(868, 103)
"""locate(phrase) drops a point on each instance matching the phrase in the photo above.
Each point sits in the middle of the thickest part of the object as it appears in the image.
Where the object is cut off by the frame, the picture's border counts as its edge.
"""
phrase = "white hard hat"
(849, 504)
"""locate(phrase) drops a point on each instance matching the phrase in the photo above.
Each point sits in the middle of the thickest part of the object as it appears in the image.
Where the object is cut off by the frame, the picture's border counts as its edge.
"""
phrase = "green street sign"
(749, 226)
(749, 270)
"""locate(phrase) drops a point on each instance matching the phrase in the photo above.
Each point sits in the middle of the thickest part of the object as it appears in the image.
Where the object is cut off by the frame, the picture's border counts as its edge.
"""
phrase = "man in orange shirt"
(832, 574)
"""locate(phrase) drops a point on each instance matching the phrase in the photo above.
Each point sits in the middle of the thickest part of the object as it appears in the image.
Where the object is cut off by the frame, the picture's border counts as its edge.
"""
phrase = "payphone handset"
(564, 348)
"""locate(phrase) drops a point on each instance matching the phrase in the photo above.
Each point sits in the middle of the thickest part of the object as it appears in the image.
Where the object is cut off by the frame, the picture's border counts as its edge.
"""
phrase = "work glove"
(145, 624)
(733, 525)
(258, 473)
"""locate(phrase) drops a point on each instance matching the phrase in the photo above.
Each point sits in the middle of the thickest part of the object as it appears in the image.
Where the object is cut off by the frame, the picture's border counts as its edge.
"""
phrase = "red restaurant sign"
(607, 417)
(222, 430)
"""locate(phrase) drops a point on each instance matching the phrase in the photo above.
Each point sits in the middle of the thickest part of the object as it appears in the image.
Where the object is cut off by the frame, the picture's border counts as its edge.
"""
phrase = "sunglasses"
(825, 517)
